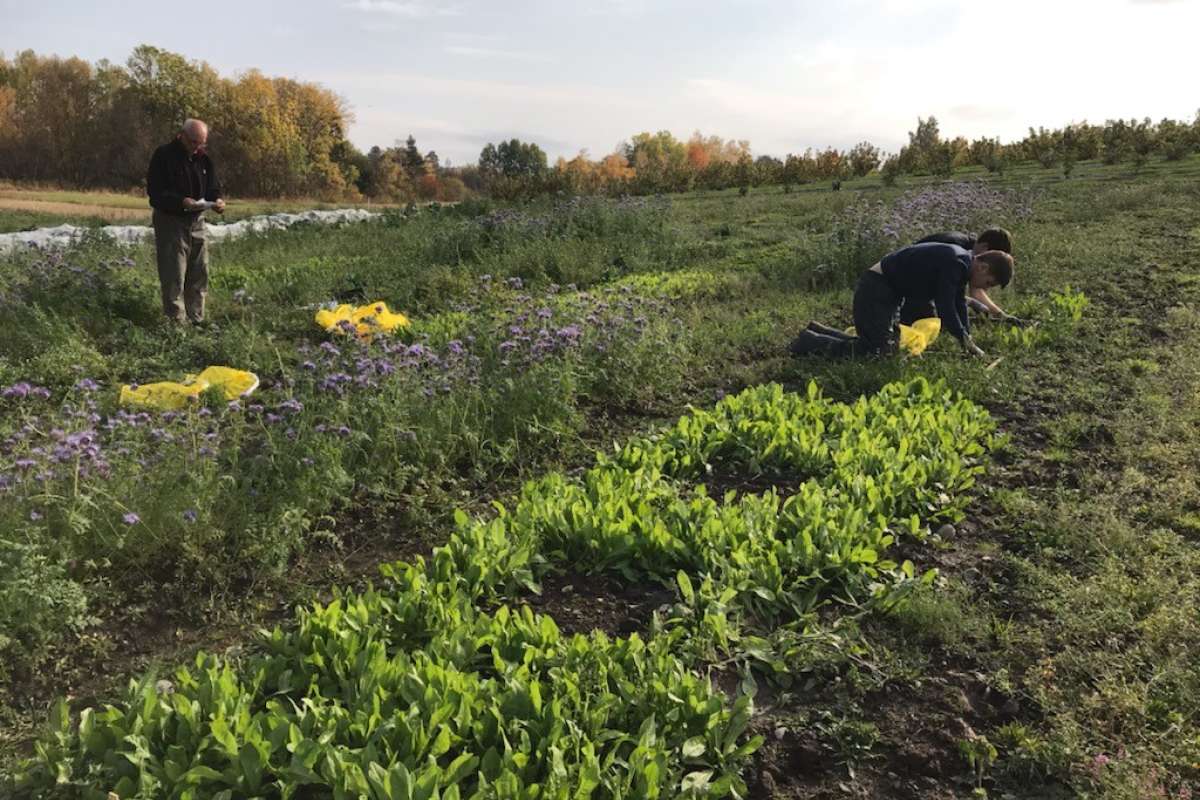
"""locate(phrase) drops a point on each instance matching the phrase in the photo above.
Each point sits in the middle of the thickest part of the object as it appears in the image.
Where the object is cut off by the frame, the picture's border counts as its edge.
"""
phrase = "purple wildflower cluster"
(509, 331)
(20, 391)
(73, 443)
(577, 214)
(531, 330)
(963, 205)
(55, 270)
(46, 445)
(354, 365)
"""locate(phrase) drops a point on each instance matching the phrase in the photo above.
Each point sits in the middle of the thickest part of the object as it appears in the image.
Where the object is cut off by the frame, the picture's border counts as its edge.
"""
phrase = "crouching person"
(917, 275)
(977, 299)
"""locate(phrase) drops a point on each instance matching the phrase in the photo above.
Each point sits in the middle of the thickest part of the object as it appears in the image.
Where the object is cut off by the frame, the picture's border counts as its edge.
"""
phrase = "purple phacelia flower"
(291, 406)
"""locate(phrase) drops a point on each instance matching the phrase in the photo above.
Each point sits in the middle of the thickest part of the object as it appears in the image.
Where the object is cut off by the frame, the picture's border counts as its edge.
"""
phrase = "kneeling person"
(918, 274)
(978, 300)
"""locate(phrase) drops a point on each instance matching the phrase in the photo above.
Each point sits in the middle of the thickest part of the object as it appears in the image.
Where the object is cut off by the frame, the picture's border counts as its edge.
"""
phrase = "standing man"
(182, 184)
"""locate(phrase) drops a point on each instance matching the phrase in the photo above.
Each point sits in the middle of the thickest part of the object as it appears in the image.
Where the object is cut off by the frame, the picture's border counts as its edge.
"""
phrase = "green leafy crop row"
(415, 689)
(857, 473)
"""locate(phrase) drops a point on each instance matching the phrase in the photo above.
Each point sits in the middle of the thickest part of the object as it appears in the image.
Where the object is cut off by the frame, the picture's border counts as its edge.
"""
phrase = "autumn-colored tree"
(427, 187)
(390, 181)
(580, 175)
(615, 171)
(64, 120)
(451, 189)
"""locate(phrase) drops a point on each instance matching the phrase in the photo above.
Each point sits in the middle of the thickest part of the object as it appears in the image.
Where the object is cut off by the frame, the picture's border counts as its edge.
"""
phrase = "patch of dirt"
(916, 755)
(586, 603)
(721, 482)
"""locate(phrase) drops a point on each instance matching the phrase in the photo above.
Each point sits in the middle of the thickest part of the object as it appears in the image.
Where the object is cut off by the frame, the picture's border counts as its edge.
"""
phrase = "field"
(23, 208)
(593, 531)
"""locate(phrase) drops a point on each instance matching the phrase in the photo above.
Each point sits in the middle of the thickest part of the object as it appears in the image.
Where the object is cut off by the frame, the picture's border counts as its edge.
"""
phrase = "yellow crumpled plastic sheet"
(366, 320)
(172, 396)
(918, 336)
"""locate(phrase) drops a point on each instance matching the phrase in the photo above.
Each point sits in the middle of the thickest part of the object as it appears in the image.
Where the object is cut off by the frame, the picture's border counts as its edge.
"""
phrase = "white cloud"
(394, 8)
(488, 52)
(623, 8)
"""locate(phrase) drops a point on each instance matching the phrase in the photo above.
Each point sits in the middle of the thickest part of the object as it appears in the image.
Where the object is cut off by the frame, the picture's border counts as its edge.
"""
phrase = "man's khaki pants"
(182, 265)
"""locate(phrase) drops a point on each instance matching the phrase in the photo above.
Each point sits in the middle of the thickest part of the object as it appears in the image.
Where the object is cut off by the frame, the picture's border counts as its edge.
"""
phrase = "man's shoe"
(806, 344)
(828, 331)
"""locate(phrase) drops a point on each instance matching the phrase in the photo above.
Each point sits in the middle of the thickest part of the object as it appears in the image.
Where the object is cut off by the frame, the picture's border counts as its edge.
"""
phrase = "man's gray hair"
(192, 127)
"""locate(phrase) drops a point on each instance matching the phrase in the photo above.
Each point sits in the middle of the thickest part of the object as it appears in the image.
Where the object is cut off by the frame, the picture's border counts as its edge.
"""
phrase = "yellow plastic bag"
(234, 382)
(366, 320)
(916, 337)
(172, 396)
(922, 333)
(164, 396)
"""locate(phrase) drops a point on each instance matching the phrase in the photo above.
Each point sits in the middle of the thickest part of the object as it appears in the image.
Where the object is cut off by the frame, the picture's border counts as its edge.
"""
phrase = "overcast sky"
(571, 75)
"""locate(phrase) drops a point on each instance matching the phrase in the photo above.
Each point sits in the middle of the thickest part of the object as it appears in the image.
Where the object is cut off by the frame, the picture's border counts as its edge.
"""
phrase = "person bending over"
(918, 274)
(990, 239)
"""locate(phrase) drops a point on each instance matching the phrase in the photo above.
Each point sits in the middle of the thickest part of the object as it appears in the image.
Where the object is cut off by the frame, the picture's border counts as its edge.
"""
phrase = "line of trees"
(659, 162)
(67, 121)
(70, 122)
(1117, 141)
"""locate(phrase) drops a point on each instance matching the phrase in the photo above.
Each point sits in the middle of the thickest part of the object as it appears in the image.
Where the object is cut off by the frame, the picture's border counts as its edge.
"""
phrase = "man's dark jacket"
(964, 240)
(936, 272)
(174, 175)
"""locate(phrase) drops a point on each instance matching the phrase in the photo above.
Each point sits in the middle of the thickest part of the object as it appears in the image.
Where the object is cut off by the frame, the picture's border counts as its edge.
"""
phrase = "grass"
(1066, 629)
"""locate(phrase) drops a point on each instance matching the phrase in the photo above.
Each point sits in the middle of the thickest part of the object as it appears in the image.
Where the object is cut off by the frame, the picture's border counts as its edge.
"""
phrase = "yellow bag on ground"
(916, 337)
(366, 320)
(922, 333)
(164, 396)
(172, 396)
(234, 382)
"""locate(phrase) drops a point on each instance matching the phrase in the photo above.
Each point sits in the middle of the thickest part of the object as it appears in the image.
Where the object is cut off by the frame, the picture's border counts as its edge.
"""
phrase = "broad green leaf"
(696, 781)
(685, 587)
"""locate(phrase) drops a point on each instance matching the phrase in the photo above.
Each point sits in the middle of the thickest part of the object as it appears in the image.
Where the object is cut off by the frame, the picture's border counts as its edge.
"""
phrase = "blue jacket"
(920, 273)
